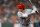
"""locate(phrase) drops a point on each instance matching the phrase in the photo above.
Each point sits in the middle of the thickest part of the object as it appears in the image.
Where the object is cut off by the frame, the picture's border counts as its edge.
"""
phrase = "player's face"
(20, 9)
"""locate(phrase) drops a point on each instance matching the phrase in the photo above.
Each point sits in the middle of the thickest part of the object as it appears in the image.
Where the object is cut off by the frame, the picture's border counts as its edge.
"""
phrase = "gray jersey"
(24, 19)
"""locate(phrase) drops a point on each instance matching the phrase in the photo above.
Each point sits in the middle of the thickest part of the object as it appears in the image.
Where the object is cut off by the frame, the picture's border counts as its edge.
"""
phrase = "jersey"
(27, 12)
(24, 19)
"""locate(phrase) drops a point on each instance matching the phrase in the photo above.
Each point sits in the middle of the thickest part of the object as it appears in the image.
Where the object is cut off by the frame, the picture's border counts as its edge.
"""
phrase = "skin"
(22, 10)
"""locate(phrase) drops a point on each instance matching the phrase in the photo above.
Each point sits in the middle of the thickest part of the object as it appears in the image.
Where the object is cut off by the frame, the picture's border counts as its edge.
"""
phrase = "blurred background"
(8, 11)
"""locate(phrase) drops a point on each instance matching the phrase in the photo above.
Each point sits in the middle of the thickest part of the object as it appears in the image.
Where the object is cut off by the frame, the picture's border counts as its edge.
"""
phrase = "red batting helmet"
(20, 6)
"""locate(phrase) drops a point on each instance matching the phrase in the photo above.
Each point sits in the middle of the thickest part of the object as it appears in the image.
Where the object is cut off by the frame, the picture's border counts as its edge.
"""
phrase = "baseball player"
(23, 15)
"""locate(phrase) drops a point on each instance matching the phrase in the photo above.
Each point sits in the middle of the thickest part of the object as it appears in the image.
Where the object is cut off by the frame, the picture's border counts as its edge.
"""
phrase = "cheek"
(19, 9)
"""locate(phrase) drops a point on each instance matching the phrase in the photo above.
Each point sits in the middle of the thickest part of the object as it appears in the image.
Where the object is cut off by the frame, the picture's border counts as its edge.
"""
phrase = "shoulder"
(19, 12)
(28, 9)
